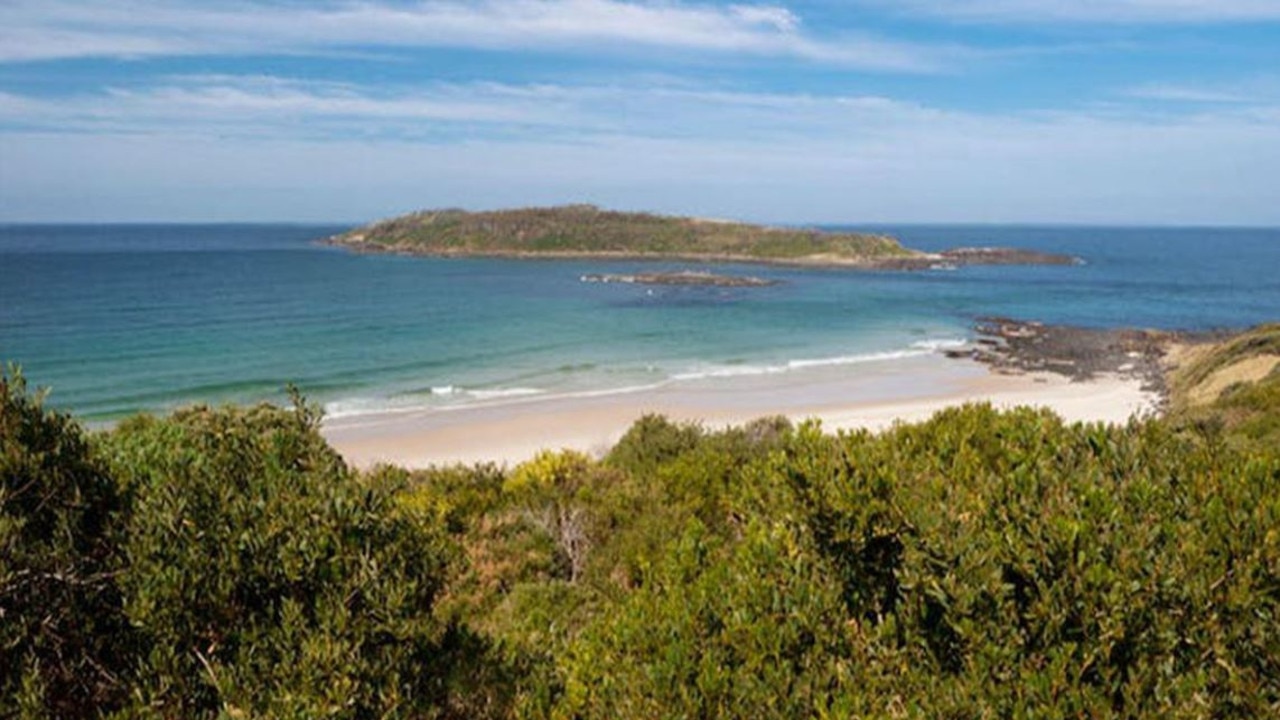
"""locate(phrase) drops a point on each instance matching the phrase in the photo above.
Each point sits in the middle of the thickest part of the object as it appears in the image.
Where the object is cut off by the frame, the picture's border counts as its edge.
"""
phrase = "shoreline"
(875, 396)
(913, 261)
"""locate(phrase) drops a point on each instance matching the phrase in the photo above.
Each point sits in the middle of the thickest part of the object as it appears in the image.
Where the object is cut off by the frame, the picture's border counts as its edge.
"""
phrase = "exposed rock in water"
(1007, 256)
(684, 277)
(960, 257)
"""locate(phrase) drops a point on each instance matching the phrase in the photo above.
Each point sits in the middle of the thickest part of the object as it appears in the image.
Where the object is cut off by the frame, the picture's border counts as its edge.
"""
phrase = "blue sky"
(1054, 111)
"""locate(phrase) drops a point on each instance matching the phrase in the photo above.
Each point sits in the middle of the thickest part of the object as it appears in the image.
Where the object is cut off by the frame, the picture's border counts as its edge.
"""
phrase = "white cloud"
(1095, 11)
(260, 147)
(32, 30)
(267, 107)
(779, 18)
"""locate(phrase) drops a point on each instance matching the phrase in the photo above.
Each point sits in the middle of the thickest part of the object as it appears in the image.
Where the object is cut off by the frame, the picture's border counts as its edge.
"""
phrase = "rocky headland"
(1157, 358)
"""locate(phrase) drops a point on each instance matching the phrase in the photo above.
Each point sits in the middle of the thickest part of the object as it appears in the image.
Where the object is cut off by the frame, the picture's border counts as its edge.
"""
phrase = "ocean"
(118, 319)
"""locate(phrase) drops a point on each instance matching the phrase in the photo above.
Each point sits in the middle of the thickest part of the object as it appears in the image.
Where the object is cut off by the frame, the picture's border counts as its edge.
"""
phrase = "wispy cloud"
(1094, 11)
(255, 144)
(32, 30)
(264, 106)
(278, 107)
(1187, 94)
(1255, 90)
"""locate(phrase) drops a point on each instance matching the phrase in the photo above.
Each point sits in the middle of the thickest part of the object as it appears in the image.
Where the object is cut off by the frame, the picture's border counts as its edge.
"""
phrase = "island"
(589, 232)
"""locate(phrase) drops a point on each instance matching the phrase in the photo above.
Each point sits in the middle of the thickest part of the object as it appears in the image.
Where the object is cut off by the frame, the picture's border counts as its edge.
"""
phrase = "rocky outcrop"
(684, 277)
(966, 256)
(1079, 353)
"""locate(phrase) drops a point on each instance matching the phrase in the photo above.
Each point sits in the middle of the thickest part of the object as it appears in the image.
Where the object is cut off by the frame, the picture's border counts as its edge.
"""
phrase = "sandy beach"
(872, 395)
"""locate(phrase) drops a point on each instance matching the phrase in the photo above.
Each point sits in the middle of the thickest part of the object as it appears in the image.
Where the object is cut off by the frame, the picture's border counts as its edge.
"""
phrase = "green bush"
(267, 579)
(751, 629)
(652, 441)
(979, 564)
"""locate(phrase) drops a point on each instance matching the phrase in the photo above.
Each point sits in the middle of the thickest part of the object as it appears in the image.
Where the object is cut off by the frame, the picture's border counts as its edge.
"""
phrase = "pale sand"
(871, 395)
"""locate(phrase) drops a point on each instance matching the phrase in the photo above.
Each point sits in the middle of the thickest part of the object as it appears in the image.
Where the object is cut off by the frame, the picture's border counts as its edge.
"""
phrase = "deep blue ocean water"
(117, 319)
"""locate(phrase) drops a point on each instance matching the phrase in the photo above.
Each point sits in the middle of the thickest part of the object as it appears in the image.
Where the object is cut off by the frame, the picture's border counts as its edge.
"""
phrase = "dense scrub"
(64, 640)
(217, 562)
(980, 564)
(587, 229)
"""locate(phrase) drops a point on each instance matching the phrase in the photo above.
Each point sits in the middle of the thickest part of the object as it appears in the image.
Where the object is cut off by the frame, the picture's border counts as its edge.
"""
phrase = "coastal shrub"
(651, 441)
(554, 492)
(64, 643)
(1080, 570)
(750, 629)
(457, 495)
(267, 580)
(982, 563)
(691, 472)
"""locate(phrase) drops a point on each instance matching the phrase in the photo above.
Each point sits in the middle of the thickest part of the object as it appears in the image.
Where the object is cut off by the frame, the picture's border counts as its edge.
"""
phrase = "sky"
(1159, 112)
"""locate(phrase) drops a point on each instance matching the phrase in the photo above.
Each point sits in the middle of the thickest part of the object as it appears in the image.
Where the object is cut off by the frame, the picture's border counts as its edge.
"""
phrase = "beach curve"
(874, 397)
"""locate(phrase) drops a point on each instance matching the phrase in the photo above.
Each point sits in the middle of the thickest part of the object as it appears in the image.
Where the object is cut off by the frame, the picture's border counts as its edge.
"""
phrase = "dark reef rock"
(684, 277)
(961, 257)
(1017, 346)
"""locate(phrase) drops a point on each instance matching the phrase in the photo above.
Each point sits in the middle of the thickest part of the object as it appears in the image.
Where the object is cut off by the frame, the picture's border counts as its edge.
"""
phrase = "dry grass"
(1200, 374)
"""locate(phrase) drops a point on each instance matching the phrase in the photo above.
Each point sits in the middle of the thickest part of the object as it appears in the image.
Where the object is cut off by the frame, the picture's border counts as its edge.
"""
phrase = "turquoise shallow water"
(117, 319)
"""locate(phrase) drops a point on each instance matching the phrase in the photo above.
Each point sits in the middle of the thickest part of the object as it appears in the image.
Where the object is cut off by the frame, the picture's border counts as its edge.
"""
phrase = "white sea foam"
(452, 397)
(501, 393)
(355, 407)
(940, 344)
(605, 392)
(725, 371)
(445, 396)
(917, 349)
(856, 359)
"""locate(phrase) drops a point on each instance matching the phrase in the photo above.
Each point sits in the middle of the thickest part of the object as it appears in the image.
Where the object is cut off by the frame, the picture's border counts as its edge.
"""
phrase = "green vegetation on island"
(585, 231)
(226, 563)
(578, 230)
